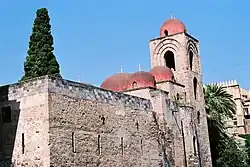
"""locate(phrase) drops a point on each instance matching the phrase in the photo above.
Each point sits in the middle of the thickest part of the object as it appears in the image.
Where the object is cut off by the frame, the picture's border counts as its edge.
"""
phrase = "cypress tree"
(41, 59)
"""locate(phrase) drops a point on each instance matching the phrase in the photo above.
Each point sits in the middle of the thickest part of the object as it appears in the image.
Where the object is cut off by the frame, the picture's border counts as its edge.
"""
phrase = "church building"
(147, 118)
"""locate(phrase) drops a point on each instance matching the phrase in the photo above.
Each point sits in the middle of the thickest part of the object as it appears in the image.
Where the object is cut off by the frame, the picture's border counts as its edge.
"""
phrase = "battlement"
(72, 89)
(226, 83)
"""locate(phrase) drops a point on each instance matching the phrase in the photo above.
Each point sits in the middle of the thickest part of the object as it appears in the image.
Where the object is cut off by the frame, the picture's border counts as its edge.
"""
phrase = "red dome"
(141, 79)
(172, 26)
(117, 82)
(162, 73)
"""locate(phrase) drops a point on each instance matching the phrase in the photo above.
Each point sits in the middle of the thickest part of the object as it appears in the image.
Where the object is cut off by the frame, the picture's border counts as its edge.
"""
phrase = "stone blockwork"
(104, 130)
(88, 92)
(24, 124)
(100, 134)
(181, 53)
(55, 122)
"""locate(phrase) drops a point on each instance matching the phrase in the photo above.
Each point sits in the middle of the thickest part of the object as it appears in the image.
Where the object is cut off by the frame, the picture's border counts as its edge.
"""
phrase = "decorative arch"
(193, 56)
(192, 45)
(164, 46)
(169, 42)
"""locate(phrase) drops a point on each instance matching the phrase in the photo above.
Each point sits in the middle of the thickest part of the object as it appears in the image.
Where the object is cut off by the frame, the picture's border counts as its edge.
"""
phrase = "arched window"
(191, 57)
(166, 32)
(169, 60)
(134, 85)
(195, 87)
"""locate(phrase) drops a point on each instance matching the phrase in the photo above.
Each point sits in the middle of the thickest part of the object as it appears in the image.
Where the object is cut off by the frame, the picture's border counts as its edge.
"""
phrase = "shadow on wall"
(9, 116)
(163, 143)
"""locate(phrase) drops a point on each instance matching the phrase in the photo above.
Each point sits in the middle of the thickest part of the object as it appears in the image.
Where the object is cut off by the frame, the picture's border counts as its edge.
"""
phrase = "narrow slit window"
(137, 125)
(141, 147)
(194, 144)
(122, 145)
(22, 143)
(198, 117)
(184, 143)
(73, 142)
(103, 120)
(178, 96)
(99, 144)
(195, 88)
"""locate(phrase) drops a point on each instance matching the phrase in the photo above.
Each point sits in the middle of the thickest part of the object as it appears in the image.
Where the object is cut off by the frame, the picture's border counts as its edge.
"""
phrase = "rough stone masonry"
(55, 122)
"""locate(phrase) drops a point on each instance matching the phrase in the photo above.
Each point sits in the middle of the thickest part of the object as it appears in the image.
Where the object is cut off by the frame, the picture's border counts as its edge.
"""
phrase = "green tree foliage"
(41, 59)
(247, 146)
(230, 155)
(219, 107)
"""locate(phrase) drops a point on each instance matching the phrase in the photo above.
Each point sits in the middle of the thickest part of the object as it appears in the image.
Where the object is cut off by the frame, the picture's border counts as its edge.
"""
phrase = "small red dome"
(172, 26)
(117, 82)
(162, 73)
(141, 79)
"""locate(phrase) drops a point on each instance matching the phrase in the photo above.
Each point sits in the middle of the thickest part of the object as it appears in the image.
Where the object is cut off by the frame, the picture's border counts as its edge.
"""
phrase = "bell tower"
(179, 51)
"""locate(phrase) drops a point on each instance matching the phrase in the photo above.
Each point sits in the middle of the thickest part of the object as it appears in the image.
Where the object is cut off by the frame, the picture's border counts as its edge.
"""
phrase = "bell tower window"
(191, 56)
(169, 60)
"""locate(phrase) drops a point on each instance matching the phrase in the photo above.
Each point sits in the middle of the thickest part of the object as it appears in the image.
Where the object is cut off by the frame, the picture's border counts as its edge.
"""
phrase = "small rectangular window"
(6, 114)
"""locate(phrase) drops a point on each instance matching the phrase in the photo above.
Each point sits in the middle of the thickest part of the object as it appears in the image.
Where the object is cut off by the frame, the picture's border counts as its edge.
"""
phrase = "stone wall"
(91, 133)
(141, 92)
(56, 122)
(24, 138)
(91, 126)
(88, 92)
(176, 91)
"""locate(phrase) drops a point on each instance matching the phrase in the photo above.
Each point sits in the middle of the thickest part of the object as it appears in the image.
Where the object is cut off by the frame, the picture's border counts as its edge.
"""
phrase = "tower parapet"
(226, 83)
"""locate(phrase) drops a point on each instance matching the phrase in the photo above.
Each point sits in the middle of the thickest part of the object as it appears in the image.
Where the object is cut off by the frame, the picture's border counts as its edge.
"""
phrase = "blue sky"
(94, 37)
